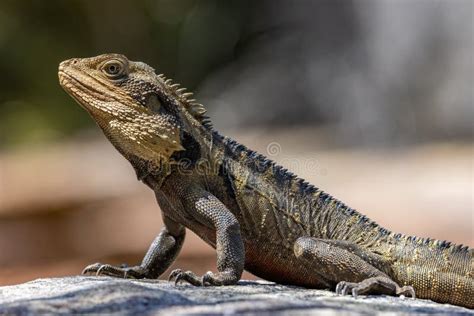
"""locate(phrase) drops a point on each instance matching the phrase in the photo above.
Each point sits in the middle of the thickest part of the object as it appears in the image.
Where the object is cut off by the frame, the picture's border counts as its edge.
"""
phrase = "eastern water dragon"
(257, 215)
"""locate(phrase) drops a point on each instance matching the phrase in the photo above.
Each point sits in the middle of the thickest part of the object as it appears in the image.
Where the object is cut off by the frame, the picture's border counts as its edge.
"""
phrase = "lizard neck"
(200, 153)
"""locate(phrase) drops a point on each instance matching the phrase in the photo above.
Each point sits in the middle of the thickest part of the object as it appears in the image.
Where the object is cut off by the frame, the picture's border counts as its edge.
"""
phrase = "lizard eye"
(113, 69)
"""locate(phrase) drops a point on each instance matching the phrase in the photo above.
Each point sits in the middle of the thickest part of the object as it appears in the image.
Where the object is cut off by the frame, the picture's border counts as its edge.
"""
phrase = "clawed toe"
(176, 275)
(188, 276)
(92, 268)
(98, 269)
(376, 285)
(342, 288)
(406, 291)
(102, 269)
(207, 279)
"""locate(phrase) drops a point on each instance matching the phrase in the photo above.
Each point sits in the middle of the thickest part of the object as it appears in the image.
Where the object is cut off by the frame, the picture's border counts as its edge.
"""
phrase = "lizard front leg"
(229, 245)
(160, 255)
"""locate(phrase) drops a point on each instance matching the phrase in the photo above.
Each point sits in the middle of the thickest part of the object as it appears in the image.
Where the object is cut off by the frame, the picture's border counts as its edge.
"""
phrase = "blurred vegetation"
(380, 72)
(179, 38)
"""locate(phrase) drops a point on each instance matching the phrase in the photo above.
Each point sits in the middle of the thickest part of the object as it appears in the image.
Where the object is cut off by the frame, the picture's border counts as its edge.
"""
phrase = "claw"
(355, 293)
(99, 271)
(207, 278)
(407, 291)
(174, 274)
(344, 290)
(91, 268)
(179, 277)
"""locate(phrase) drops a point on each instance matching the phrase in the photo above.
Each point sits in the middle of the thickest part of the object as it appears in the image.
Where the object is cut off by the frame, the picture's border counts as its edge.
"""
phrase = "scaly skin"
(257, 215)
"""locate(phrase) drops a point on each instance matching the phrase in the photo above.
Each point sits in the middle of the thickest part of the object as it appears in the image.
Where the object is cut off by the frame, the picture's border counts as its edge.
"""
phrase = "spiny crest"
(433, 243)
(197, 110)
(261, 164)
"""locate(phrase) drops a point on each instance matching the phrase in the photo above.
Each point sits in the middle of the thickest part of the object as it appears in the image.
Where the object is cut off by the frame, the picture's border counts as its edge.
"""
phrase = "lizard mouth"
(92, 94)
(77, 89)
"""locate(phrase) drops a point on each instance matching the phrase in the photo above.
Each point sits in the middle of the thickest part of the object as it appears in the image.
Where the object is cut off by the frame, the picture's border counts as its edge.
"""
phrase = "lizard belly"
(275, 263)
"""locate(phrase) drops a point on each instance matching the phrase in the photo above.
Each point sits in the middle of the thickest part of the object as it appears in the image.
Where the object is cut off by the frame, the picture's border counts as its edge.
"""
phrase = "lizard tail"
(439, 271)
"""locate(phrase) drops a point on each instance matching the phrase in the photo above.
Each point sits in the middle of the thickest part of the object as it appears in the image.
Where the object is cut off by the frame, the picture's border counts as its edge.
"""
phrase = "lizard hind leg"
(347, 267)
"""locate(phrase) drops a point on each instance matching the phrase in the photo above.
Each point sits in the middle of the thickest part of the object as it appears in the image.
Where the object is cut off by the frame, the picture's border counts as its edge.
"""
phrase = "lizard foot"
(208, 278)
(136, 272)
(375, 285)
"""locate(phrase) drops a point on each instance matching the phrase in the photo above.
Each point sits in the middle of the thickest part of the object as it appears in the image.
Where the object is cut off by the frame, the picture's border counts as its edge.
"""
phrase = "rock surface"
(81, 294)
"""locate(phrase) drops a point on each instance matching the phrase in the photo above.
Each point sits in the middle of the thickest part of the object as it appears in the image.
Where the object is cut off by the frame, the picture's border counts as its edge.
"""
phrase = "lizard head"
(140, 112)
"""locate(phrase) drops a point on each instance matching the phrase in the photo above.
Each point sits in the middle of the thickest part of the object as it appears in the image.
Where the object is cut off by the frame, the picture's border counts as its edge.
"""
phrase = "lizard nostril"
(67, 63)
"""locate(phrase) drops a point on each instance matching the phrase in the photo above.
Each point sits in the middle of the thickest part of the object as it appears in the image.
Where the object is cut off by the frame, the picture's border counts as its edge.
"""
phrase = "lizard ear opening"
(153, 103)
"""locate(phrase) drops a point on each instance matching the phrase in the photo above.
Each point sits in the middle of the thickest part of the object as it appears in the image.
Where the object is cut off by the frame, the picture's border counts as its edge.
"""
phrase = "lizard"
(257, 215)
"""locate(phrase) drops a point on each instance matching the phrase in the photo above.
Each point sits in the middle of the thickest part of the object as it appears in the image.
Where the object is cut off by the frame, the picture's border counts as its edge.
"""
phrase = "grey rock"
(84, 294)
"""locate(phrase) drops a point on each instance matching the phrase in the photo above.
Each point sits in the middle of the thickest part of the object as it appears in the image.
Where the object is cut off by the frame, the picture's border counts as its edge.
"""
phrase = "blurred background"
(371, 101)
